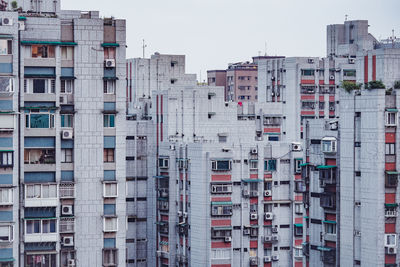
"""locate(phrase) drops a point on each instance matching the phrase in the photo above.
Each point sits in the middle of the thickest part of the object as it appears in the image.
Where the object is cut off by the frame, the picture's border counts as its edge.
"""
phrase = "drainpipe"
(19, 152)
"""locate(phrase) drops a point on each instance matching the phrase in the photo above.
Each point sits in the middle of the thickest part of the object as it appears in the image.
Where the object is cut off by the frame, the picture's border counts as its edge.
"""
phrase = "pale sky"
(213, 33)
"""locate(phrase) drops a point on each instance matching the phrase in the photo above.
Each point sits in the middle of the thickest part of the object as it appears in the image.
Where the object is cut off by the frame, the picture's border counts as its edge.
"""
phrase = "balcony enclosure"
(39, 156)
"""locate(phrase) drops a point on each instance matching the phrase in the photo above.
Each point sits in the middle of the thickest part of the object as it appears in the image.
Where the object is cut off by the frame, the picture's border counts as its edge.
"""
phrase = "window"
(253, 208)
(307, 72)
(298, 252)
(39, 86)
(267, 207)
(298, 230)
(67, 120)
(253, 164)
(321, 105)
(39, 156)
(297, 167)
(298, 208)
(163, 163)
(349, 73)
(43, 51)
(221, 210)
(5, 47)
(6, 233)
(268, 185)
(40, 191)
(253, 252)
(253, 232)
(6, 85)
(391, 179)
(40, 226)
(108, 155)
(67, 52)
(221, 165)
(67, 155)
(391, 118)
(328, 145)
(6, 159)
(330, 228)
(110, 224)
(110, 190)
(390, 240)
(109, 86)
(109, 120)
(221, 188)
(390, 149)
(308, 105)
(220, 233)
(67, 86)
(272, 121)
(6, 196)
(222, 138)
(109, 52)
(37, 119)
(270, 165)
(36, 260)
(220, 253)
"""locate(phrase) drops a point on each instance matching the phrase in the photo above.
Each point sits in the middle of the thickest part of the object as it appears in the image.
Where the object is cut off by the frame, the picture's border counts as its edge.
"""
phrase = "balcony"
(6, 86)
(162, 254)
(391, 179)
(67, 190)
(41, 195)
(299, 187)
(327, 175)
(67, 225)
(163, 192)
(328, 200)
(41, 230)
(7, 122)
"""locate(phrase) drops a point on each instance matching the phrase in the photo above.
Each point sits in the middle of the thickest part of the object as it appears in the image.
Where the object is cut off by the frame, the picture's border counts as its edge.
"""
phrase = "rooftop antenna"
(265, 52)
(144, 47)
(346, 17)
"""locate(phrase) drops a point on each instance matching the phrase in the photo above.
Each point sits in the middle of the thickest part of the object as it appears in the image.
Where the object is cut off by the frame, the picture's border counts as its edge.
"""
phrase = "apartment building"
(62, 137)
(241, 83)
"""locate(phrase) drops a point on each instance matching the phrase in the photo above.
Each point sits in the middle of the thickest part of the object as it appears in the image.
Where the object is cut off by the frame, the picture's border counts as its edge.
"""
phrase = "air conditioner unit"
(267, 258)
(159, 253)
(275, 257)
(7, 22)
(337, 69)
(246, 231)
(267, 193)
(71, 263)
(272, 78)
(268, 216)
(253, 216)
(253, 261)
(67, 210)
(185, 214)
(274, 229)
(67, 134)
(171, 147)
(296, 147)
(391, 250)
(68, 241)
(332, 77)
(357, 233)
(246, 193)
(311, 60)
(333, 126)
(254, 151)
(109, 63)
(267, 239)
(332, 108)
(352, 61)
(228, 239)
(274, 238)
(179, 213)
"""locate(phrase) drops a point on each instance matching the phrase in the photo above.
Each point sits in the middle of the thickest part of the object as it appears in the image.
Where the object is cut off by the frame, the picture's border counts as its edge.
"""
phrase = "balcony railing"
(67, 190)
(67, 225)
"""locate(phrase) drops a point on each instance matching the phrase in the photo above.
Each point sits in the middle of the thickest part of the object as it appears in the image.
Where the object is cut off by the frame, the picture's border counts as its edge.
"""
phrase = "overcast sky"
(213, 33)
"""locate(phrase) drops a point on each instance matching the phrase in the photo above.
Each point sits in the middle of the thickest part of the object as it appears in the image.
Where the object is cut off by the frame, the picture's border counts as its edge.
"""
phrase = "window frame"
(67, 157)
(67, 120)
(390, 149)
(107, 89)
(10, 237)
(41, 226)
(51, 118)
(107, 122)
(50, 51)
(389, 116)
(6, 159)
(107, 155)
(9, 194)
(41, 191)
(111, 185)
(66, 86)
(105, 220)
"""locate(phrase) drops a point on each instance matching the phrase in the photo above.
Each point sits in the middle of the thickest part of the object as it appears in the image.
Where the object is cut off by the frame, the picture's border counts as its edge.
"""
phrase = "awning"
(7, 260)
(161, 176)
(392, 109)
(305, 217)
(391, 205)
(222, 203)
(252, 180)
(273, 133)
(110, 78)
(298, 224)
(222, 228)
(332, 222)
(67, 78)
(21, 18)
(162, 199)
(7, 150)
(42, 107)
(211, 94)
(324, 167)
(39, 76)
(41, 218)
(48, 43)
(6, 36)
(161, 223)
(163, 243)
(298, 158)
(110, 45)
(324, 248)
(392, 172)
(304, 164)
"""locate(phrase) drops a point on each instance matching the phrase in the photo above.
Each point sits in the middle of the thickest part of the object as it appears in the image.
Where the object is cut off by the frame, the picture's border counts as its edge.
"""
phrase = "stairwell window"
(330, 228)
(110, 257)
(67, 86)
(109, 120)
(391, 118)
(67, 120)
(390, 240)
(108, 154)
(67, 155)
(109, 87)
